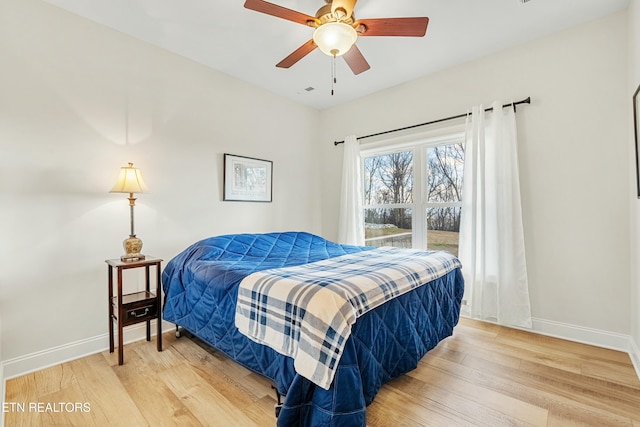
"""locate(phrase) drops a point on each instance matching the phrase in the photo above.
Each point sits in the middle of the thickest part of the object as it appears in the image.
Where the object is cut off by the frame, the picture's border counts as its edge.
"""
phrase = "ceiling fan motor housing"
(324, 15)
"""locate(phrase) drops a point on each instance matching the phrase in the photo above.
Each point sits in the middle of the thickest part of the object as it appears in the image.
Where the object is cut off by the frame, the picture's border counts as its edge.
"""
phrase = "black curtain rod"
(459, 116)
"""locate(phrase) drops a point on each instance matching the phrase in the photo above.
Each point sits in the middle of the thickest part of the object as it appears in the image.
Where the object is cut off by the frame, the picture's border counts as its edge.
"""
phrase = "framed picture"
(247, 179)
(636, 127)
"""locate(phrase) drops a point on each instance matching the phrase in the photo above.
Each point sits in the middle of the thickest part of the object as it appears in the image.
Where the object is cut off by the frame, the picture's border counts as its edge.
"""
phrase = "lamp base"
(132, 258)
(132, 247)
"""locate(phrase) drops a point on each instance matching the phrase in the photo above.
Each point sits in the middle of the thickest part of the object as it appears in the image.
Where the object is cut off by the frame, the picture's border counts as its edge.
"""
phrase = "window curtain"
(351, 221)
(491, 234)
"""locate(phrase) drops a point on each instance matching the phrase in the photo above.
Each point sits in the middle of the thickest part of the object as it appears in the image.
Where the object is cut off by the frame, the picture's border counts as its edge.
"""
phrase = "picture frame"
(247, 179)
(636, 129)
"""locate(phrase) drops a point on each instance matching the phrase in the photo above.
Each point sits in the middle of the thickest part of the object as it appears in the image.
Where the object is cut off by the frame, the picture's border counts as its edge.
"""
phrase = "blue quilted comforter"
(201, 289)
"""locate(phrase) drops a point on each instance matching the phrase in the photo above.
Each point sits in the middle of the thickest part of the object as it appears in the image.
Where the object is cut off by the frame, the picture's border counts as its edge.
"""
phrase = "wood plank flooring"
(484, 375)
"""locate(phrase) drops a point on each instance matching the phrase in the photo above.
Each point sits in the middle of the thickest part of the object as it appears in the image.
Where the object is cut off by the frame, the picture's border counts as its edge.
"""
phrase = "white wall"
(634, 81)
(573, 160)
(66, 85)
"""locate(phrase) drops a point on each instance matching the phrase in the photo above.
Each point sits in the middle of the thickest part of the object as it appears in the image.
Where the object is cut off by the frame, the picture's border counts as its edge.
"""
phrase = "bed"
(202, 286)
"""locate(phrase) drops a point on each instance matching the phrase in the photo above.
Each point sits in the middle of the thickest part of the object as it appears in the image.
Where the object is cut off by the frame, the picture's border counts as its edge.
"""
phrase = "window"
(388, 197)
(412, 195)
(445, 166)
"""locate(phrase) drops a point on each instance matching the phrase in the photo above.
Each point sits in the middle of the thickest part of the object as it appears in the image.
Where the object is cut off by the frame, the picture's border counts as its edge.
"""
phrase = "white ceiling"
(223, 35)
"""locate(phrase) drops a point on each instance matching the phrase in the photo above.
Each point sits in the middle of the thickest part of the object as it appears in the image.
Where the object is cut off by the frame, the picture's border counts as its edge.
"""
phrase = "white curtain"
(351, 222)
(491, 232)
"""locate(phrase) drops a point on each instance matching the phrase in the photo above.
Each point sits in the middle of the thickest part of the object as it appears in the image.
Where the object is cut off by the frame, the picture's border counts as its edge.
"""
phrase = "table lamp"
(130, 181)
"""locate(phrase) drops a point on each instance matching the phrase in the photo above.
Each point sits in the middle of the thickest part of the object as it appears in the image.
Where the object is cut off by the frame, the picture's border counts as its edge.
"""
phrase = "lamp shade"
(335, 38)
(129, 181)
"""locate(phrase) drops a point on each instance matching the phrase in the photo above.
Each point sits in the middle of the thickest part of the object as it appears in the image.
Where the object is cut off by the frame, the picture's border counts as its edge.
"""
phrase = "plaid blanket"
(306, 312)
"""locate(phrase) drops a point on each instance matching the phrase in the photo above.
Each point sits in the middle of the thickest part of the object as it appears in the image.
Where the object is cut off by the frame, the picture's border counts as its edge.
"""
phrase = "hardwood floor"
(484, 375)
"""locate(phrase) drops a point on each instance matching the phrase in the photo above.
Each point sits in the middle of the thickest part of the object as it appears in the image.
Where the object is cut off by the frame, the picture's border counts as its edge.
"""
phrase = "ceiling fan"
(337, 29)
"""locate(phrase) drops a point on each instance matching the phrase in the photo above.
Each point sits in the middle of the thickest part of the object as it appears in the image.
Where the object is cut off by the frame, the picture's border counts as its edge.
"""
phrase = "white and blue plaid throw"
(306, 312)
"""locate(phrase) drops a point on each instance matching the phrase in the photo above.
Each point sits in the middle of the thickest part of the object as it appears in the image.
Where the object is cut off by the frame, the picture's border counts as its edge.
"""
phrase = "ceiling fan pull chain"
(333, 73)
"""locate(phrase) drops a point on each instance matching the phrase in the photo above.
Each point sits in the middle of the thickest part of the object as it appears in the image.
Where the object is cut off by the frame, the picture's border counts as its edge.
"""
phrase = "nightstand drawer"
(138, 307)
(137, 314)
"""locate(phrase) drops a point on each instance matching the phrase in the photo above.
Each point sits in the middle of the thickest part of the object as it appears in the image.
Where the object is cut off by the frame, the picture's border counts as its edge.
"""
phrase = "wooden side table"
(136, 307)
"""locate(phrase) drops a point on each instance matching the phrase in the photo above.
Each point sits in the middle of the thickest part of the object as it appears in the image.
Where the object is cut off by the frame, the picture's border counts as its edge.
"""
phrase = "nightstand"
(136, 307)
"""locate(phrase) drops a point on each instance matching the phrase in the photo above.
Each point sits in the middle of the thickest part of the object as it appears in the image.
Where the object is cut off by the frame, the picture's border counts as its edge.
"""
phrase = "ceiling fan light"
(335, 38)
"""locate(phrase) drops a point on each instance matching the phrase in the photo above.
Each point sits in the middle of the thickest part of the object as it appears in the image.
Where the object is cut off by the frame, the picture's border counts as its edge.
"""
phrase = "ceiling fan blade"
(404, 27)
(279, 12)
(346, 5)
(297, 54)
(355, 60)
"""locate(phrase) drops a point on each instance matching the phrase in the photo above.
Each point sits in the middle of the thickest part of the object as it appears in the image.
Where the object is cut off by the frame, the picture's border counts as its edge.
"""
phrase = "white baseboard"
(54, 356)
(634, 353)
(582, 334)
